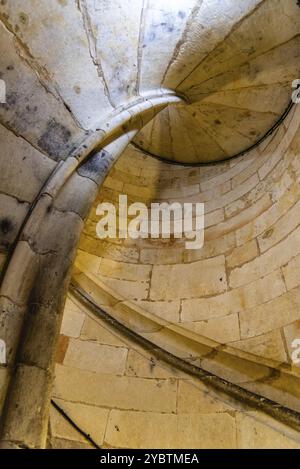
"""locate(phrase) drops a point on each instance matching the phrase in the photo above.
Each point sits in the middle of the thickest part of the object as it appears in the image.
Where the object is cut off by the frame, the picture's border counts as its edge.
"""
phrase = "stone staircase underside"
(256, 381)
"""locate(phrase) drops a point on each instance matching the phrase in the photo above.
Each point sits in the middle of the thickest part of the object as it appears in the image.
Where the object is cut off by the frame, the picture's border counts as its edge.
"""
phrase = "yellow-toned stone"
(257, 433)
(201, 278)
(111, 391)
(149, 430)
(96, 357)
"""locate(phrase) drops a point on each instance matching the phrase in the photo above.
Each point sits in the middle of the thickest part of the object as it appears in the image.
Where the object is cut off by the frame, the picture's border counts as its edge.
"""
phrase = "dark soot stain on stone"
(54, 139)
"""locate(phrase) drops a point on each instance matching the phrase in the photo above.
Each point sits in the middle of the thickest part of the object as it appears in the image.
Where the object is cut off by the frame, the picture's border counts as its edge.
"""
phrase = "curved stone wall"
(122, 396)
(239, 295)
(231, 308)
(242, 288)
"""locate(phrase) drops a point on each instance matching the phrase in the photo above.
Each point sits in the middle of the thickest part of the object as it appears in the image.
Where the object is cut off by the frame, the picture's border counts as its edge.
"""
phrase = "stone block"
(198, 279)
(95, 357)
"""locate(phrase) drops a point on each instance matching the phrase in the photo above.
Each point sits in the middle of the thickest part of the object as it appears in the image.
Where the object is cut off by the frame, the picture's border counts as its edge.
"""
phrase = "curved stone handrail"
(268, 378)
(36, 279)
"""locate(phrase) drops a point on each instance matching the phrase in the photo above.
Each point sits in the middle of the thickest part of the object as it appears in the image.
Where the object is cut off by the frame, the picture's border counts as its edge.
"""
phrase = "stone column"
(34, 288)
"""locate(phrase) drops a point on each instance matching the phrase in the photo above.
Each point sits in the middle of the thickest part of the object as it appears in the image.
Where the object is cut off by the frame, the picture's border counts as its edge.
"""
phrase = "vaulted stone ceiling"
(232, 62)
(231, 308)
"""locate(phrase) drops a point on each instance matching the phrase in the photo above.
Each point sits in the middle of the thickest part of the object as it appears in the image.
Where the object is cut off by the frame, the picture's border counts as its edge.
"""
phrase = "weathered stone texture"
(85, 78)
